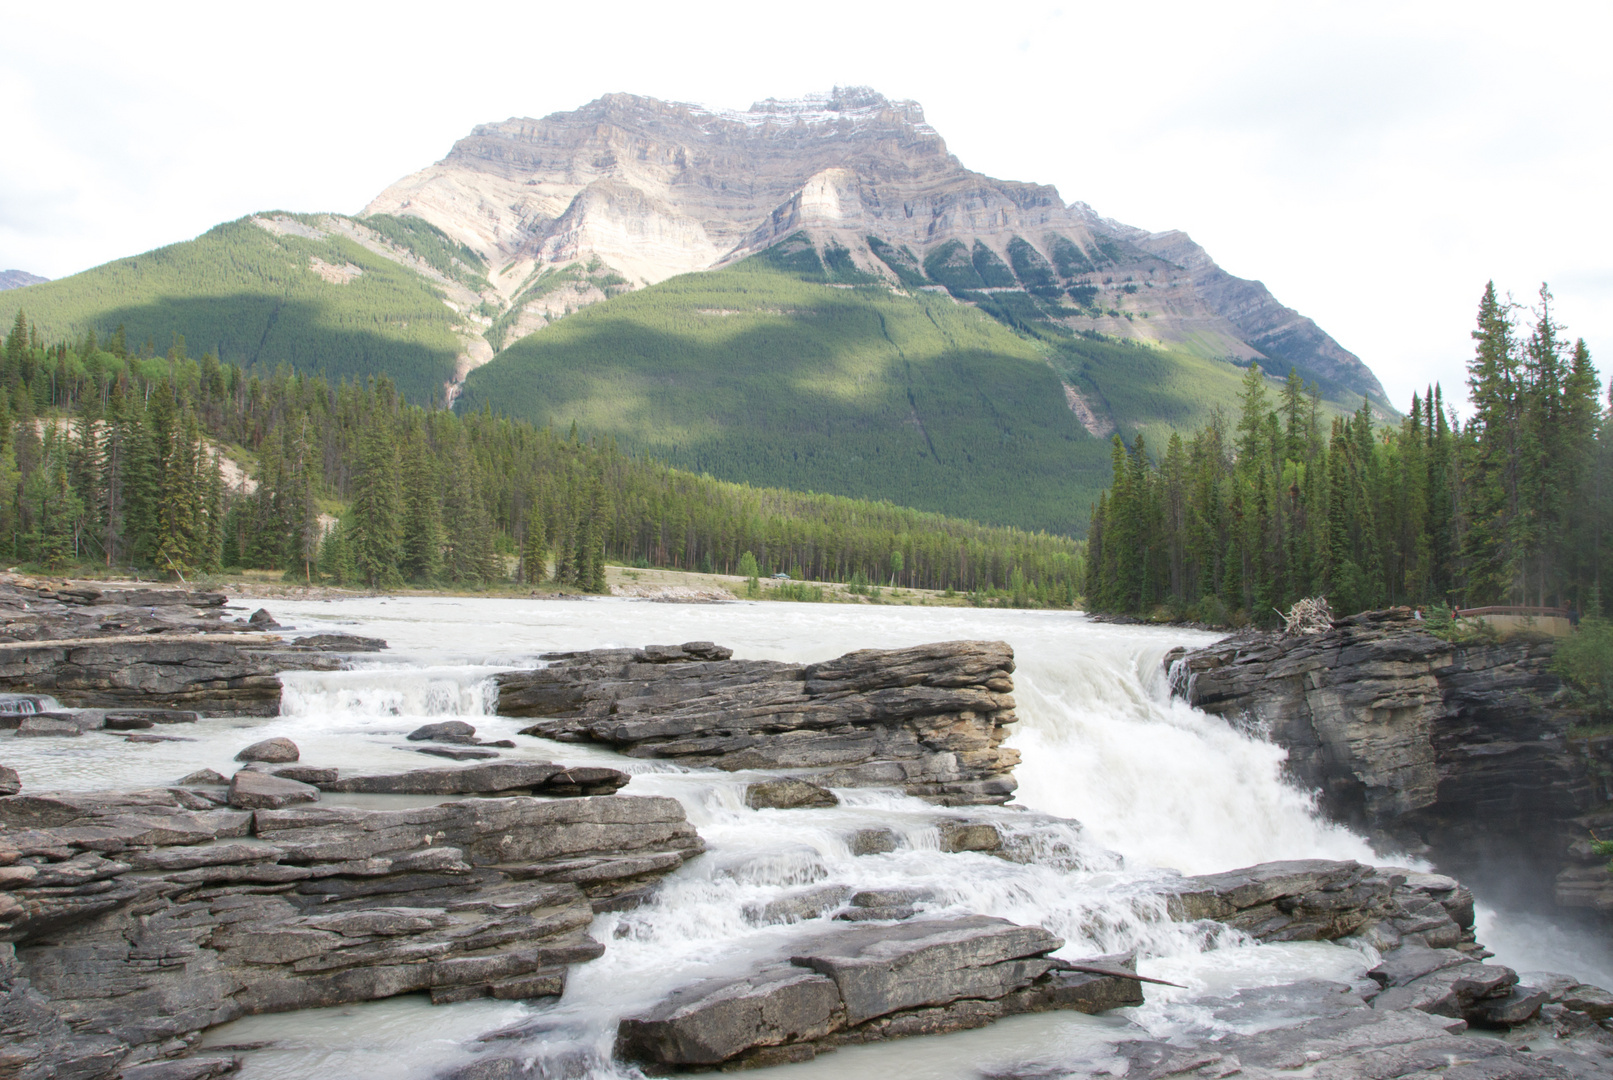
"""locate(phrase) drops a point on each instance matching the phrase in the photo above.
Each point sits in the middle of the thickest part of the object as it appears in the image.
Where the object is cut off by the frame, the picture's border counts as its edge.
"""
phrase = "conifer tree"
(376, 539)
(423, 534)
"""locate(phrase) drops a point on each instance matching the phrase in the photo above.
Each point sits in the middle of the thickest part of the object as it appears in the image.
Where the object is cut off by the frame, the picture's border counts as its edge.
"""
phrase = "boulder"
(456, 731)
(872, 841)
(970, 836)
(1519, 1006)
(205, 778)
(253, 790)
(788, 794)
(712, 1022)
(10, 782)
(272, 751)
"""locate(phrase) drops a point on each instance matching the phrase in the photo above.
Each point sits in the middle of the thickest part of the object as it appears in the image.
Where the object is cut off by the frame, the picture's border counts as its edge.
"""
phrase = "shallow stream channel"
(1149, 789)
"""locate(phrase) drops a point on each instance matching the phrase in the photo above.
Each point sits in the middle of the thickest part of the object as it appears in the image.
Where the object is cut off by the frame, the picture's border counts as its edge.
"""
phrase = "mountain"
(16, 279)
(812, 294)
(640, 190)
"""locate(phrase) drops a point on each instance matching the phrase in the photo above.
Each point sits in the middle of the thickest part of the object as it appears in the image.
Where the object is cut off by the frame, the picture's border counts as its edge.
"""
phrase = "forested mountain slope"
(320, 293)
(798, 371)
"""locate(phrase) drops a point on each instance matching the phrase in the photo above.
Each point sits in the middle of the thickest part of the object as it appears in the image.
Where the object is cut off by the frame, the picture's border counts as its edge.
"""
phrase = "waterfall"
(1122, 787)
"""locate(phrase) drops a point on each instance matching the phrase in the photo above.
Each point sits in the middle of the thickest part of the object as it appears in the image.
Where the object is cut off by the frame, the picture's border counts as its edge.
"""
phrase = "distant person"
(1417, 613)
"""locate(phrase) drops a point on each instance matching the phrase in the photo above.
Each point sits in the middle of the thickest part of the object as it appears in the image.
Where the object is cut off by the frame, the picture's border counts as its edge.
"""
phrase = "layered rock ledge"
(929, 720)
(868, 983)
(130, 922)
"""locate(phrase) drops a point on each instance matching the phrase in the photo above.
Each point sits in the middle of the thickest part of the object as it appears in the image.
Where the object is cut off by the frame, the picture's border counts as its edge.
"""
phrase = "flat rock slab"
(538, 777)
(271, 751)
(305, 774)
(912, 978)
(252, 790)
(457, 753)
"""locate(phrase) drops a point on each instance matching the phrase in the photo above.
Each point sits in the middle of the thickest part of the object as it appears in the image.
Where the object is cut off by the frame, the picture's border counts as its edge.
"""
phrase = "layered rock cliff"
(1459, 751)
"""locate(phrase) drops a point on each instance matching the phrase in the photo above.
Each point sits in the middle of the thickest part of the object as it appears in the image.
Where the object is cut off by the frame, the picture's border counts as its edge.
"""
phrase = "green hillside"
(793, 371)
(254, 299)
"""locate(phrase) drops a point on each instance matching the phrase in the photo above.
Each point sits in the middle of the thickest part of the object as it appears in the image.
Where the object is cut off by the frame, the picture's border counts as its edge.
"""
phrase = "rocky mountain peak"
(633, 190)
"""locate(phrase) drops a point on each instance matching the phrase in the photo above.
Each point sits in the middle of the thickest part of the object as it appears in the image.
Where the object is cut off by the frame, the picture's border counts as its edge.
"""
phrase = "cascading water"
(1156, 787)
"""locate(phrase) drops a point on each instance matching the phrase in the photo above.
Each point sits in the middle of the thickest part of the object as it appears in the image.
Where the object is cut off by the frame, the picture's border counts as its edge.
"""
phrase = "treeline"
(128, 461)
(1513, 507)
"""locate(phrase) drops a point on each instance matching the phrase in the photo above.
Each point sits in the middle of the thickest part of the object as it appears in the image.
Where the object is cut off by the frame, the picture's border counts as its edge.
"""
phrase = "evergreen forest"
(187, 466)
(1250, 513)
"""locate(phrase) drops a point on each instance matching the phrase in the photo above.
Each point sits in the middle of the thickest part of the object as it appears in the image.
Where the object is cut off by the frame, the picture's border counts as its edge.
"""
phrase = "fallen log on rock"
(929, 720)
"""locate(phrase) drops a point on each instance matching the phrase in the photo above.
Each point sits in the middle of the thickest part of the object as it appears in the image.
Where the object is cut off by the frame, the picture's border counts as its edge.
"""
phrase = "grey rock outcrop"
(129, 922)
(929, 719)
(865, 984)
(1425, 745)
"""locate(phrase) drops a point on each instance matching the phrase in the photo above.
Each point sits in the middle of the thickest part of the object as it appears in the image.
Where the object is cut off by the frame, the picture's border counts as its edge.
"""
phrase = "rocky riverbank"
(131, 922)
(929, 720)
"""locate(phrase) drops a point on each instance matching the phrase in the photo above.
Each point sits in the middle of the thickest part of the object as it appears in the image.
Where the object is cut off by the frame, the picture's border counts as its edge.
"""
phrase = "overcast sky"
(1373, 164)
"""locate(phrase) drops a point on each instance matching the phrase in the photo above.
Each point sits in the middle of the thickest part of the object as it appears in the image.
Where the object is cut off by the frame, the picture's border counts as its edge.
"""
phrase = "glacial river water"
(1157, 789)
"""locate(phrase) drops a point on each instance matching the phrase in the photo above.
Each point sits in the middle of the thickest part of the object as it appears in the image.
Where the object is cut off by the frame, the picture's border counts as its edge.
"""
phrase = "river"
(1157, 788)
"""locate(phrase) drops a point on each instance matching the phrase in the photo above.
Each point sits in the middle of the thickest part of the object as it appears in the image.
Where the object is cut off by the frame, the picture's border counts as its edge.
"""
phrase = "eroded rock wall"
(1460, 751)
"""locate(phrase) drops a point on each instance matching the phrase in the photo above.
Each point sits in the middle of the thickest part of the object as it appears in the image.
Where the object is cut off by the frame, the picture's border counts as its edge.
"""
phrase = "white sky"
(1374, 164)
